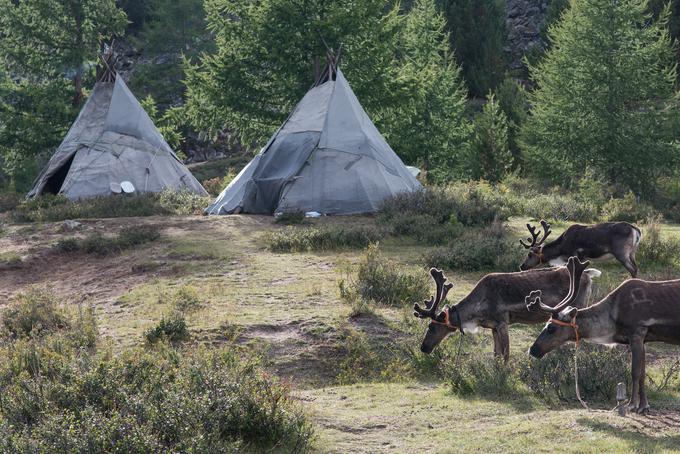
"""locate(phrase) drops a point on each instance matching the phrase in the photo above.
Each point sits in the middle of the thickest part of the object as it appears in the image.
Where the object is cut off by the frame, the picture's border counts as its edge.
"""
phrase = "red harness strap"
(572, 324)
(446, 321)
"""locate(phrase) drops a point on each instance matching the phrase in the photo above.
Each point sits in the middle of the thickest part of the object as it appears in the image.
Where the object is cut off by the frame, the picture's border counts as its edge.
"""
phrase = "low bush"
(34, 313)
(185, 299)
(50, 208)
(481, 374)
(600, 369)
(655, 250)
(628, 208)
(321, 238)
(9, 201)
(10, 260)
(172, 328)
(58, 397)
(98, 244)
(478, 250)
(437, 215)
(291, 217)
(380, 280)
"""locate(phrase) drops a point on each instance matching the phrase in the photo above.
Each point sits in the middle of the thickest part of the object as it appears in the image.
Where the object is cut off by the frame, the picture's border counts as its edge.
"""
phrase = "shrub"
(9, 200)
(321, 238)
(213, 186)
(172, 327)
(34, 313)
(57, 396)
(481, 373)
(49, 208)
(600, 369)
(437, 215)
(478, 250)
(98, 244)
(186, 299)
(10, 260)
(292, 217)
(159, 400)
(654, 250)
(668, 197)
(627, 208)
(380, 280)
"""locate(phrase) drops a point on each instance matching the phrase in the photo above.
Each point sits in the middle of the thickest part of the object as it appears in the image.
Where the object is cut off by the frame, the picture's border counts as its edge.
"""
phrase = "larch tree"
(268, 53)
(47, 49)
(605, 97)
(430, 127)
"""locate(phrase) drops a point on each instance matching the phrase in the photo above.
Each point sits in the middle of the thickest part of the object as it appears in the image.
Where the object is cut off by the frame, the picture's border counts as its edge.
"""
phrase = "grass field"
(287, 307)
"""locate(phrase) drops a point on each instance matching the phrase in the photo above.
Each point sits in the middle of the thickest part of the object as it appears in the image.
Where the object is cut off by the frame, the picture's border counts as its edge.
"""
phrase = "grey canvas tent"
(327, 157)
(112, 141)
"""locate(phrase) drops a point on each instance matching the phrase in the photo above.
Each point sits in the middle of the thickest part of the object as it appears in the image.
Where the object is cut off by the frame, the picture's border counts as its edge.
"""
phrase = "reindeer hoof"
(643, 410)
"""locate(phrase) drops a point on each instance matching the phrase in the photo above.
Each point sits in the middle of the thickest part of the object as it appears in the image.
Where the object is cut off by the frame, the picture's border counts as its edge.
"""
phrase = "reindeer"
(617, 239)
(498, 300)
(634, 313)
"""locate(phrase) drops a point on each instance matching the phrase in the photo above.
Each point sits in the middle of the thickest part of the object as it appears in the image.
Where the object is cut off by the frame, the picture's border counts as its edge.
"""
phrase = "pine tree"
(491, 157)
(47, 49)
(605, 97)
(268, 53)
(430, 128)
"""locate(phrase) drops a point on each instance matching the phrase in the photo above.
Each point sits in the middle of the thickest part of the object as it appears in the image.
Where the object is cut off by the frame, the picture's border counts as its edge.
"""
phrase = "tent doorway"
(55, 182)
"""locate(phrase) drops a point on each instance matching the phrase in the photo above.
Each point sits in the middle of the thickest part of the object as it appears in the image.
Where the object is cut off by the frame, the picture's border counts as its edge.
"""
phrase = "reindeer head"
(442, 323)
(561, 327)
(535, 253)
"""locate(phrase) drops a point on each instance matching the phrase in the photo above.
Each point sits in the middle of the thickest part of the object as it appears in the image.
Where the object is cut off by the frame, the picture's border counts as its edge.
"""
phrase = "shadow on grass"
(639, 441)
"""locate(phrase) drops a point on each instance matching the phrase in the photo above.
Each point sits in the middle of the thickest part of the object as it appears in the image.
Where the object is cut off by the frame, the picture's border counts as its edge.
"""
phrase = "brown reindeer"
(634, 313)
(617, 239)
(497, 301)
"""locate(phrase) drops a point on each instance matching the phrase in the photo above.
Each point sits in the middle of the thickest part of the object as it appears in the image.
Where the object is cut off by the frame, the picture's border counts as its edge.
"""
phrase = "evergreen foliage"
(267, 53)
(478, 35)
(491, 157)
(47, 49)
(605, 97)
(430, 127)
(512, 100)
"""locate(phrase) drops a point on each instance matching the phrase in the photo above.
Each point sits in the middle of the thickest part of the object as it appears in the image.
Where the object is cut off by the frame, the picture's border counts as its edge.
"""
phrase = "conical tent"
(327, 157)
(112, 141)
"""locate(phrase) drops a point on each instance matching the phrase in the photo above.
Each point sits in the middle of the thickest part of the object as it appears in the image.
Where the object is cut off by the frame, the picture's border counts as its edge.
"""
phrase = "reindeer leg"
(504, 340)
(643, 408)
(636, 269)
(497, 349)
(637, 349)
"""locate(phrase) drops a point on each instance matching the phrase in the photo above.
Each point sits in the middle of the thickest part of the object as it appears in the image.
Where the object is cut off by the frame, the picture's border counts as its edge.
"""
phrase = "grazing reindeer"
(618, 239)
(635, 312)
(498, 300)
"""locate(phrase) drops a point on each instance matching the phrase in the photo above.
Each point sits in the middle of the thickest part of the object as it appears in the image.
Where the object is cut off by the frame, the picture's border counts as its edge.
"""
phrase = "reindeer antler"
(576, 268)
(431, 305)
(534, 235)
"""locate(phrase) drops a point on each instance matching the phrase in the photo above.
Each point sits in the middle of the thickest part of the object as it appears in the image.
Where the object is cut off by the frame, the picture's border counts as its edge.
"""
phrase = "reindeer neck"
(552, 250)
(595, 322)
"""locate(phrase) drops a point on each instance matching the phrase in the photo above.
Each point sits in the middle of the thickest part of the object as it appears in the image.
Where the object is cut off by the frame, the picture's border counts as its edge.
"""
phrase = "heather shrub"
(552, 377)
(307, 239)
(50, 208)
(478, 250)
(57, 396)
(628, 208)
(98, 244)
(655, 250)
(381, 280)
(171, 327)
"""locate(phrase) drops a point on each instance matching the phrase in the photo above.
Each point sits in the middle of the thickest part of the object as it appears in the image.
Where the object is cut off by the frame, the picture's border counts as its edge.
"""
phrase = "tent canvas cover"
(327, 157)
(113, 140)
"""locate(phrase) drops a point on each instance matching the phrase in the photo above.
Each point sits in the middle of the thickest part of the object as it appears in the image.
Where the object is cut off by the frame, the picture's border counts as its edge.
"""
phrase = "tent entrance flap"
(56, 181)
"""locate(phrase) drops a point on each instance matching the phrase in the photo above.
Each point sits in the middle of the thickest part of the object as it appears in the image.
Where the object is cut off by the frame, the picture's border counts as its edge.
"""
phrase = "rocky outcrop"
(524, 20)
